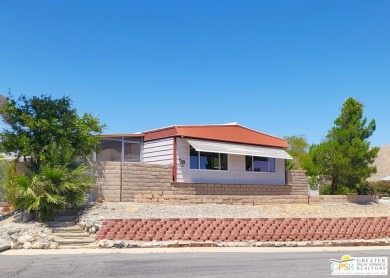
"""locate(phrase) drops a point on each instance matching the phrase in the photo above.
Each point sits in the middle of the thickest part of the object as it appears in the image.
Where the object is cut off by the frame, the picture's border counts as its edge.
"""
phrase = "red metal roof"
(226, 133)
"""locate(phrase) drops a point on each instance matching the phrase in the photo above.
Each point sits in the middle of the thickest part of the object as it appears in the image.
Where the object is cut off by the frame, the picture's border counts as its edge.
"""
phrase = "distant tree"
(33, 123)
(345, 156)
(298, 148)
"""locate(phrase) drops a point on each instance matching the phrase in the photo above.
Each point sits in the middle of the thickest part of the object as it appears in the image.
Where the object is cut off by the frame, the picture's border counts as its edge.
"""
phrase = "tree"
(298, 148)
(345, 157)
(37, 121)
(58, 144)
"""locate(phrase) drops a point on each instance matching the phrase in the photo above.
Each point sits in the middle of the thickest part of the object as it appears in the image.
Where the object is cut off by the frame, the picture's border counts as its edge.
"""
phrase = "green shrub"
(365, 189)
(341, 190)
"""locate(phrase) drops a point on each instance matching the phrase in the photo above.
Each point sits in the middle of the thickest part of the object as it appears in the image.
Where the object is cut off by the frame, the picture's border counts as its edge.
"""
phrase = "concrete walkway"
(40, 252)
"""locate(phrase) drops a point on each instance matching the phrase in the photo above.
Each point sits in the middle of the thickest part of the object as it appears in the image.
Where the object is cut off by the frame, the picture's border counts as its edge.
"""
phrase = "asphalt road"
(305, 264)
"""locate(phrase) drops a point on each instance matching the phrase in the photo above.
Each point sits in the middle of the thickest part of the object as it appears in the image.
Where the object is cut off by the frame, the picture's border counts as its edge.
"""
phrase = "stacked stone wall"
(246, 229)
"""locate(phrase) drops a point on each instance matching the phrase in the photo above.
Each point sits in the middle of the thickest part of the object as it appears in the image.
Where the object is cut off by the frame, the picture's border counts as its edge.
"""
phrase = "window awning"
(232, 148)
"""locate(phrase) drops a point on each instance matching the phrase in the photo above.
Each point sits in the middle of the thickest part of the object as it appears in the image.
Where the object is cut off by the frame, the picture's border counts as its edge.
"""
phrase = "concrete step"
(72, 241)
(64, 218)
(71, 229)
(71, 235)
(61, 224)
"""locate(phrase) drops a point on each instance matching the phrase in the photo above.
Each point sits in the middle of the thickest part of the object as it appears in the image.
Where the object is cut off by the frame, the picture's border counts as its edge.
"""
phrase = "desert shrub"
(380, 187)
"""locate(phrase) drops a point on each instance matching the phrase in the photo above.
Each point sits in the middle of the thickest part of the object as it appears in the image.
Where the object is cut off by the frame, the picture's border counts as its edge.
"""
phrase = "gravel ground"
(142, 210)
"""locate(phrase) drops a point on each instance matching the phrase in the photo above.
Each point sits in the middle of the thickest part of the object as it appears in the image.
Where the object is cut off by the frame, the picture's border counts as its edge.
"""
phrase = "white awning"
(232, 148)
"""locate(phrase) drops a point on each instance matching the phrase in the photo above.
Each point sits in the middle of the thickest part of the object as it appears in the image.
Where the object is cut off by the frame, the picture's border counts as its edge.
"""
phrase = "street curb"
(40, 252)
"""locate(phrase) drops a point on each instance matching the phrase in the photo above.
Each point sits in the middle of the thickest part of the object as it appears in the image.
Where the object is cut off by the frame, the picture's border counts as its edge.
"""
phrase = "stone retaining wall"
(142, 182)
(244, 229)
(121, 181)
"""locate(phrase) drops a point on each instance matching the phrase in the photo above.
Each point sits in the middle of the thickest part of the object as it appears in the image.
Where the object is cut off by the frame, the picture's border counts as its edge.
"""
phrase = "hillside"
(382, 163)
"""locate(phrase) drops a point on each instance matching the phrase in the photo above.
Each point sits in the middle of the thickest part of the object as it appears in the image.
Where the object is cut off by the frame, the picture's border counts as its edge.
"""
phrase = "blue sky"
(281, 67)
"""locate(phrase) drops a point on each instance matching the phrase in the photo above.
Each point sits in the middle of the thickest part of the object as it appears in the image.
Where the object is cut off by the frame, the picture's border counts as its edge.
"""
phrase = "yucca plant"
(61, 182)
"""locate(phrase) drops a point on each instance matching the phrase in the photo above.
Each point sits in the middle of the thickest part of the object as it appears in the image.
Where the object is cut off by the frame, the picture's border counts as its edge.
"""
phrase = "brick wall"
(143, 182)
(245, 229)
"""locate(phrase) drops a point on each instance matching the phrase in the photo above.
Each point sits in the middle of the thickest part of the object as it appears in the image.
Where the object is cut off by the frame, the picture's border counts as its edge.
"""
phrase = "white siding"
(158, 151)
(236, 170)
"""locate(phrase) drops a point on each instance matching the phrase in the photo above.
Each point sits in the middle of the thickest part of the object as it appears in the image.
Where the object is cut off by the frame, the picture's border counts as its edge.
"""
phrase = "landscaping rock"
(132, 245)
(4, 245)
(12, 231)
(46, 245)
(43, 235)
(27, 245)
(54, 245)
(106, 243)
(100, 218)
(25, 238)
(118, 244)
(15, 236)
(37, 245)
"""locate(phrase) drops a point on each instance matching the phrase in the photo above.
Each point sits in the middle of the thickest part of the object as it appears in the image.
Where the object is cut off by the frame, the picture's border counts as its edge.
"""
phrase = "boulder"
(106, 243)
(15, 237)
(27, 245)
(118, 244)
(25, 238)
(37, 245)
(13, 231)
(46, 245)
(54, 245)
(4, 245)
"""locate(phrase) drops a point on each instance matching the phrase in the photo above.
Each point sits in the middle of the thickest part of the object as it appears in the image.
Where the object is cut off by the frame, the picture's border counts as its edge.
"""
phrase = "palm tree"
(61, 182)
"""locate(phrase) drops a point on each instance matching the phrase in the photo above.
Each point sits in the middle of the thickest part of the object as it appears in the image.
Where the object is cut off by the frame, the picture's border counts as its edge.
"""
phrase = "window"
(132, 151)
(208, 161)
(110, 150)
(259, 164)
(120, 149)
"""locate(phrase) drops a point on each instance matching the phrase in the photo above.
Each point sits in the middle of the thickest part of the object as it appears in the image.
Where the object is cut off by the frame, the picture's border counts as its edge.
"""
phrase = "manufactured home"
(224, 154)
